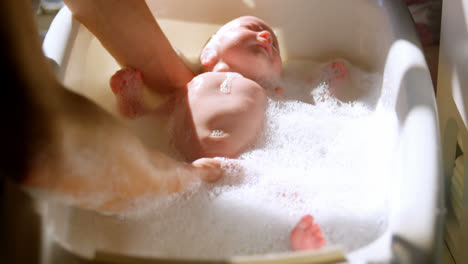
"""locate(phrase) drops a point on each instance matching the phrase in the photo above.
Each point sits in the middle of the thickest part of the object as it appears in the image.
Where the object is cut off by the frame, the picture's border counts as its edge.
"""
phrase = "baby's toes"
(307, 235)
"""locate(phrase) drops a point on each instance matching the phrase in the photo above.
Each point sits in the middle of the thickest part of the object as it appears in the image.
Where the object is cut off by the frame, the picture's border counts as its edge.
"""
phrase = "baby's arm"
(128, 30)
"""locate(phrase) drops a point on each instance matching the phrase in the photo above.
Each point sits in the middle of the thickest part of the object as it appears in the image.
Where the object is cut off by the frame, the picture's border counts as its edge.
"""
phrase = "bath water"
(324, 159)
(319, 155)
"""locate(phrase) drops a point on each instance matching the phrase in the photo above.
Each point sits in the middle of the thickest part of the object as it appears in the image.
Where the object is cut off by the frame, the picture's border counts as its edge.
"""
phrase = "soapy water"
(326, 157)
(226, 85)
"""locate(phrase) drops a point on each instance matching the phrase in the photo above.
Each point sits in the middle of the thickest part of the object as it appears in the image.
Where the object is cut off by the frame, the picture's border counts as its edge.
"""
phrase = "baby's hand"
(127, 85)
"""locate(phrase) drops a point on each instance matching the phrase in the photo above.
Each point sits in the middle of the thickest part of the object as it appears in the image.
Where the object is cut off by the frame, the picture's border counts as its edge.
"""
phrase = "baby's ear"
(209, 58)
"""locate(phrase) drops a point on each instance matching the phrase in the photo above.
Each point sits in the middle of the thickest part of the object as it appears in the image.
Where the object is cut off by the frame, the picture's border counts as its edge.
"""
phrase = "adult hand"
(130, 33)
(65, 145)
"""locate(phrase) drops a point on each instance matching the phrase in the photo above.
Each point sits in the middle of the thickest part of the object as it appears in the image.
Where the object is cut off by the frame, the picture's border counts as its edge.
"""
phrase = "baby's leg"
(307, 235)
(127, 85)
(338, 74)
(330, 80)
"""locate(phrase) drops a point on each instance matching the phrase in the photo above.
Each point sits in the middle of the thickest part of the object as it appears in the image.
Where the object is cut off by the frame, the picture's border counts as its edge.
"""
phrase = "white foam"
(330, 160)
(217, 133)
(226, 85)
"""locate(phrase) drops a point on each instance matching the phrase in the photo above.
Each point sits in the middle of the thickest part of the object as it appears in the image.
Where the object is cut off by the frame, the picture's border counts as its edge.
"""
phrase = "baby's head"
(246, 45)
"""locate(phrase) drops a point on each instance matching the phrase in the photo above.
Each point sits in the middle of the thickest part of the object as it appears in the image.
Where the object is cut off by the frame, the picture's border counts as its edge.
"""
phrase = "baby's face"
(245, 45)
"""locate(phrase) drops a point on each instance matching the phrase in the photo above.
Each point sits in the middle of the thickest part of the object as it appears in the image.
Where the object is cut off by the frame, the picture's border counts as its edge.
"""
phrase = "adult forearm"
(61, 143)
(128, 30)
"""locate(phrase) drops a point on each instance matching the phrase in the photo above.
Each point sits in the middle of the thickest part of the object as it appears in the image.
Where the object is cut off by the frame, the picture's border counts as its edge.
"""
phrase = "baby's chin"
(265, 76)
(266, 81)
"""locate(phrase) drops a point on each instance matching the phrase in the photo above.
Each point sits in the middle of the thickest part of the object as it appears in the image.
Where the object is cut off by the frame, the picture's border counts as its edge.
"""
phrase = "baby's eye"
(255, 27)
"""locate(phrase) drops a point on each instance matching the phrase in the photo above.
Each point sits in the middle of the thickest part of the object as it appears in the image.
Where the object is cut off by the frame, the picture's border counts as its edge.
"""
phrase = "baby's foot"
(127, 85)
(307, 235)
(279, 92)
(339, 71)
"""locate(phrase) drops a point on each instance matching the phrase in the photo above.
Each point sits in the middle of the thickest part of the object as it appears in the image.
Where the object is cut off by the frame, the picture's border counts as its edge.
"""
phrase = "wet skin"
(246, 45)
(201, 110)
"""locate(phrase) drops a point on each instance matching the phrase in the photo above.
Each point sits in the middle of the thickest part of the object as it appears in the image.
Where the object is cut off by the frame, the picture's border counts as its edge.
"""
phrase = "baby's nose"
(265, 36)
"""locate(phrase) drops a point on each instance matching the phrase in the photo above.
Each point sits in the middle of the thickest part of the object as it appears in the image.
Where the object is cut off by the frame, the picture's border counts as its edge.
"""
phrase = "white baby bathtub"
(377, 35)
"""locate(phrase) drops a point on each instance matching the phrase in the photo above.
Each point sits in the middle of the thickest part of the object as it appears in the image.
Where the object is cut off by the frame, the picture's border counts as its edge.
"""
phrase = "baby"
(221, 112)
(242, 50)
(246, 45)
